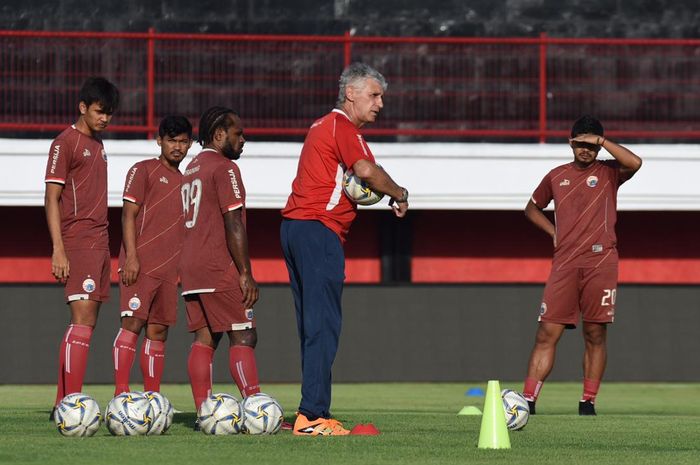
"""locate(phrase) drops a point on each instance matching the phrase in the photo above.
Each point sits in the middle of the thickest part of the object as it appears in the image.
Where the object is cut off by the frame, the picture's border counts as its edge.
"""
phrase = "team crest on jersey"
(565, 182)
(104, 155)
(134, 303)
(249, 313)
(164, 180)
(543, 308)
(89, 285)
(87, 153)
(592, 181)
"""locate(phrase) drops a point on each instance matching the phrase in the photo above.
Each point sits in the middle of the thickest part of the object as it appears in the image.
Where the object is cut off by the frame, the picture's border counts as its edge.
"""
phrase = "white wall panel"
(454, 176)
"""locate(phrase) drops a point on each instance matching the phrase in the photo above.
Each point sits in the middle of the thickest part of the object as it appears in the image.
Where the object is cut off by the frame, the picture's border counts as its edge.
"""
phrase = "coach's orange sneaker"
(319, 427)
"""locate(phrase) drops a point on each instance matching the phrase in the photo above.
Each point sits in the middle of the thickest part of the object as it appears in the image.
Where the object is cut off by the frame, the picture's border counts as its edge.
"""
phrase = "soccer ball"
(129, 414)
(78, 415)
(358, 191)
(162, 412)
(263, 415)
(516, 409)
(221, 414)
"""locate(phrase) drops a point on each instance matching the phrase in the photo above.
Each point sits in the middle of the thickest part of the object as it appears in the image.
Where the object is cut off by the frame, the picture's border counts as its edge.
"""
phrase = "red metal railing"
(447, 88)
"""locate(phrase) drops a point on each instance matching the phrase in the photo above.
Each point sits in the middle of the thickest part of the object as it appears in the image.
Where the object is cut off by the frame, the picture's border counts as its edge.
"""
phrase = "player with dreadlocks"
(217, 280)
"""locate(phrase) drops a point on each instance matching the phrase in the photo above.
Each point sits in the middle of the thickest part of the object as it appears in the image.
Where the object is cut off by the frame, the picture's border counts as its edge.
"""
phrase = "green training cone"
(469, 410)
(494, 433)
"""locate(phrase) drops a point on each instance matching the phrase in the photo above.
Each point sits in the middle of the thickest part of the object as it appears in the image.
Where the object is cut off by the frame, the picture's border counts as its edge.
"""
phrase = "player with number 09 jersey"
(217, 281)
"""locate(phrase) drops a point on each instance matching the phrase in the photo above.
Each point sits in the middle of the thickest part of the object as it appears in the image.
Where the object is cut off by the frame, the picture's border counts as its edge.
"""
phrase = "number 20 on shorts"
(608, 297)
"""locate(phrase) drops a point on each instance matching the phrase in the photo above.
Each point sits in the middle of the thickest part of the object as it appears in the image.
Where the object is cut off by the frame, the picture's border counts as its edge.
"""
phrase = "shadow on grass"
(185, 419)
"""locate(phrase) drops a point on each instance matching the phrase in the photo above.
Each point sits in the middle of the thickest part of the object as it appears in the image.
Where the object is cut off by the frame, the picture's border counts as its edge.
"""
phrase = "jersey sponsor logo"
(131, 178)
(597, 248)
(191, 170)
(234, 183)
(249, 313)
(592, 181)
(543, 308)
(87, 153)
(134, 303)
(164, 180)
(565, 182)
(89, 285)
(54, 158)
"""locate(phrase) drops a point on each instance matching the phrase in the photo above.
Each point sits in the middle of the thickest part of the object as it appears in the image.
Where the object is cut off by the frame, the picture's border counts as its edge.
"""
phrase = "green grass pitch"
(650, 423)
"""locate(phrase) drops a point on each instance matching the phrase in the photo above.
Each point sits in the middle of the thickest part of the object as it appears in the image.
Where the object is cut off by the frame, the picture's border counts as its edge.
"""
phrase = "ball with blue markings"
(263, 414)
(516, 409)
(129, 414)
(221, 414)
(358, 191)
(78, 415)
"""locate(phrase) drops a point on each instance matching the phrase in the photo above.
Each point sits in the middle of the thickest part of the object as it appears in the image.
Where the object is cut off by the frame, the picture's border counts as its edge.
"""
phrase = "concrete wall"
(410, 333)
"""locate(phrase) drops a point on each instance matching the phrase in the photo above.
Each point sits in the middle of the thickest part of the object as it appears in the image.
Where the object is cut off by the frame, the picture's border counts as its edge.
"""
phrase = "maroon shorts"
(89, 275)
(149, 299)
(589, 292)
(221, 311)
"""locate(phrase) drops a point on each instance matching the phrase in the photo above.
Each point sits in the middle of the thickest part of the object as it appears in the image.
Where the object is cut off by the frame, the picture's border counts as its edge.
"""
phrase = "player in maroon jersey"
(152, 234)
(217, 280)
(76, 213)
(317, 218)
(583, 280)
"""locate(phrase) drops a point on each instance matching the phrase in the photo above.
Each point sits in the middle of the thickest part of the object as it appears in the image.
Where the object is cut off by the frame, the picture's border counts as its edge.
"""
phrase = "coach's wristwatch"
(404, 196)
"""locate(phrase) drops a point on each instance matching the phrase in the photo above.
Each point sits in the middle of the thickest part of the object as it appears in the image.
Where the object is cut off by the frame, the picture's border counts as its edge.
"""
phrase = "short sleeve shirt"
(585, 205)
(333, 144)
(211, 187)
(160, 220)
(79, 163)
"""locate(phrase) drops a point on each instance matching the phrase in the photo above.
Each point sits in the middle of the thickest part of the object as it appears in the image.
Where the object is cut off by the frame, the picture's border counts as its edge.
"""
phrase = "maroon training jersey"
(79, 163)
(333, 144)
(160, 221)
(585, 206)
(211, 186)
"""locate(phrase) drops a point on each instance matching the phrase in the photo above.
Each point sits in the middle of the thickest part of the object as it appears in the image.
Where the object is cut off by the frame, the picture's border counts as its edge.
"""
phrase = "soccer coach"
(315, 223)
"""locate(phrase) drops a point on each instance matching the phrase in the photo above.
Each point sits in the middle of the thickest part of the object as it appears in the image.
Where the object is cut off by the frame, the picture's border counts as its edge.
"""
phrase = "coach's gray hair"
(354, 73)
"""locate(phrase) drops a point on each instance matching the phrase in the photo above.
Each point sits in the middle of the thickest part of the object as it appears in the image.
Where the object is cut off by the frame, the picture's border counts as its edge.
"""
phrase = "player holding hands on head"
(76, 213)
(152, 235)
(583, 279)
(317, 218)
(217, 279)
